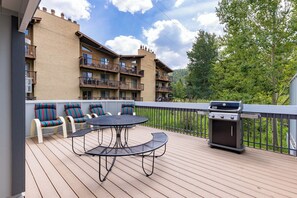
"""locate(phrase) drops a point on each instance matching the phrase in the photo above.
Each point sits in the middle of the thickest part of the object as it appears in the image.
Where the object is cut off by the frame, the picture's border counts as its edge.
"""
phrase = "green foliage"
(179, 90)
(179, 74)
(257, 54)
(202, 56)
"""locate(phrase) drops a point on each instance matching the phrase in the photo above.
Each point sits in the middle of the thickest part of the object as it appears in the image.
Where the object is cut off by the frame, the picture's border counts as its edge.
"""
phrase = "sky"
(168, 27)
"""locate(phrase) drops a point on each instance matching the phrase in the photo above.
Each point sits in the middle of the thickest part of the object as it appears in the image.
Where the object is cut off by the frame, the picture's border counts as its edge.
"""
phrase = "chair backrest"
(73, 110)
(127, 109)
(97, 108)
(45, 111)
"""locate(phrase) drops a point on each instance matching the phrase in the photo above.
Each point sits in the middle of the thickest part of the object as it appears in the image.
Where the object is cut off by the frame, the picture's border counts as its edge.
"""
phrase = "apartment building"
(64, 63)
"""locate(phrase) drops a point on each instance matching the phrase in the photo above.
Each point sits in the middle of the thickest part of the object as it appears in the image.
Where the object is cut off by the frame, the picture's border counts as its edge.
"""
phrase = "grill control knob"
(232, 117)
(213, 116)
(222, 116)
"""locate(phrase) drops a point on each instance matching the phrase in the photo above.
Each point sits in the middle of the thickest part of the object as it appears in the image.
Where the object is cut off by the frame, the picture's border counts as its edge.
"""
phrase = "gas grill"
(225, 125)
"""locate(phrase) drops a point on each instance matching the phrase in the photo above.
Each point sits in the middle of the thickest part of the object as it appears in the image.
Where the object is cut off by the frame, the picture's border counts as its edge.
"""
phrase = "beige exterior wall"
(57, 60)
(149, 66)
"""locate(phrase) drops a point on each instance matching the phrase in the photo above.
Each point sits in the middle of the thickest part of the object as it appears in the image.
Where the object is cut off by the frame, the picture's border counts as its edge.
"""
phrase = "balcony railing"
(192, 119)
(163, 77)
(163, 89)
(131, 86)
(30, 51)
(33, 75)
(98, 98)
(132, 98)
(131, 71)
(94, 64)
(98, 83)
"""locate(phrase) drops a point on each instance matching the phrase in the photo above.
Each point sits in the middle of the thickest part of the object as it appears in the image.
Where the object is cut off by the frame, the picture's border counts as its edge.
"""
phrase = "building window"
(122, 79)
(123, 64)
(85, 49)
(87, 75)
(87, 95)
(104, 61)
(87, 59)
(134, 95)
(134, 83)
(104, 77)
(104, 94)
(123, 95)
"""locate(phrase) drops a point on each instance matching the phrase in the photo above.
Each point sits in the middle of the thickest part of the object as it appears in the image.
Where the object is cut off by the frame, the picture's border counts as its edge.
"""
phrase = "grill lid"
(225, 106)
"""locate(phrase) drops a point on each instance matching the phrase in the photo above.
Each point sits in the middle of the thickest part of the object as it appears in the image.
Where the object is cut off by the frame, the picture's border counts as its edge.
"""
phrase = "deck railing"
(131, 86)
(271, 131)
(30, 51)
(98, 83)
(163, 89)
(132, 71)
(95, 64)
(163, 77)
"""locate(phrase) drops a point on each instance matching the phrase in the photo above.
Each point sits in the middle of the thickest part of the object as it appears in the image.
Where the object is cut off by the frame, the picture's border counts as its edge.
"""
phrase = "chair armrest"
(88, 116)
(119, 113)
(69, 119)
(61, 118)
(94, 115)
(108, 113)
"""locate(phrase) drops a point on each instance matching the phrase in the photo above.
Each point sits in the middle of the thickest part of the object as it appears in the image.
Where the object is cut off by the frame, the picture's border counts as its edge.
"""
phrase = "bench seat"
(80, 133)
(159, 139)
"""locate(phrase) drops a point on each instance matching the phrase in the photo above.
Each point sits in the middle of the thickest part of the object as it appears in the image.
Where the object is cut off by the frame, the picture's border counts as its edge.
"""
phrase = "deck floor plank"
(44, 184)
(31, 190)
(189, 169)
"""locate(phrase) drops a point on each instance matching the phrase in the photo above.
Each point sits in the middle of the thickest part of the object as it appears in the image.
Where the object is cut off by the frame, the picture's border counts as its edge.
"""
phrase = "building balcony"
(96, 65)
(33, 75)
(98, 98)
(163, 89)
(165, 78)
(98, 83)
(30, 51)
(131, 72)
(131, 86)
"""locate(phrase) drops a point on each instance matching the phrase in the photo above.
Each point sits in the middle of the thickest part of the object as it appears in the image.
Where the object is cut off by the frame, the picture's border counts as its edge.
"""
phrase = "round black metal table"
(118, 122)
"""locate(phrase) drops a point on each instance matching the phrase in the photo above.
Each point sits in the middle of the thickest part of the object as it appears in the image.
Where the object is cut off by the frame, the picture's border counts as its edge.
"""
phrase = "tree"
(259, 43)
(259, 40)
(202, 56)
(179, 90)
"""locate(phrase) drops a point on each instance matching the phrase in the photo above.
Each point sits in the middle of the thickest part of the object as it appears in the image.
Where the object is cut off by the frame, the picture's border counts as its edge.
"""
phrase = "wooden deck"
(188, 169)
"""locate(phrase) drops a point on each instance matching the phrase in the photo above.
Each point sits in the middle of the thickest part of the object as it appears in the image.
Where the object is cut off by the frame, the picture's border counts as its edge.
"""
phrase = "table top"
(117, 120)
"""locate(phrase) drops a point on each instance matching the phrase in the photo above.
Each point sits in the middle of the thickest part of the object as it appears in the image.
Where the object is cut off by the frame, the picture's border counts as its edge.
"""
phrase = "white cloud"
(75, 9)
(178, 3)
(210, 22)
(124, 45)
(170, 40)
(132, 6)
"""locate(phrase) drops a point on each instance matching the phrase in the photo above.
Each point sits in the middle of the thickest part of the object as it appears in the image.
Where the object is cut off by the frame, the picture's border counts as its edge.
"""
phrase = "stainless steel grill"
(225, 125)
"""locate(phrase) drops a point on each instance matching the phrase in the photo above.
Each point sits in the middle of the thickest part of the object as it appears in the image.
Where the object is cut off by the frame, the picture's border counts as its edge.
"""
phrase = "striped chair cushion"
(45, 112)
(80, 120)
(51, 123)
(127, 109)
(97, 108)
(73, 110)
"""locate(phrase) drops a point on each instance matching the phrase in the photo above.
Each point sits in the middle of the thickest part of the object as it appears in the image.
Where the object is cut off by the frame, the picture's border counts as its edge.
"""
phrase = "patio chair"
(46, 117)
(74, 115)
(97, 110)
(127, 109)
